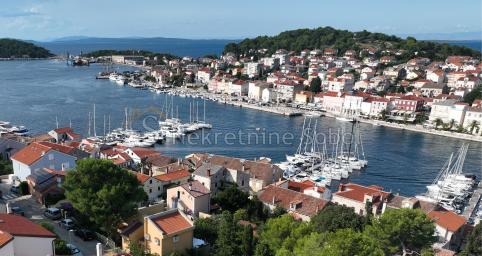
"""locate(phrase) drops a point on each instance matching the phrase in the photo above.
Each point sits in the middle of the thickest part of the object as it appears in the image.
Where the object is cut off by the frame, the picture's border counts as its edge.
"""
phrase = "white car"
(75, 251)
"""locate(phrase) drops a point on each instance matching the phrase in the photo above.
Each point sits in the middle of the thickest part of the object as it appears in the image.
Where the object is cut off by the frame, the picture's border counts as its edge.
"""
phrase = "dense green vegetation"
(342, 40)
(474, 242)
(103, 193)
(476, 93)
(20, 49)
(5, 167)
(101, 53)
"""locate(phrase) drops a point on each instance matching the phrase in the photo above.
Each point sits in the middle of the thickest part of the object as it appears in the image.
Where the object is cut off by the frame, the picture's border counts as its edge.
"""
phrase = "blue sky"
(48, 19)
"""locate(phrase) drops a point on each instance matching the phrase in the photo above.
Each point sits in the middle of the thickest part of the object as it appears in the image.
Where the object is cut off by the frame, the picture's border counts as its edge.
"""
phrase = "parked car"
(15, 210)
(53, 213)
(74, 250)
(85, 234)
(67, 224)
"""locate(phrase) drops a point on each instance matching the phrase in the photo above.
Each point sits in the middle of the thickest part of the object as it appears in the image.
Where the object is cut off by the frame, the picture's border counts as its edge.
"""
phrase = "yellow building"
(168, 232)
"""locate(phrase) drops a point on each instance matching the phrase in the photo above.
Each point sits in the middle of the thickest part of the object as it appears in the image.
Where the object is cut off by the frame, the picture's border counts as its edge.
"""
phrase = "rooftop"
(21, 226)
(171, 223)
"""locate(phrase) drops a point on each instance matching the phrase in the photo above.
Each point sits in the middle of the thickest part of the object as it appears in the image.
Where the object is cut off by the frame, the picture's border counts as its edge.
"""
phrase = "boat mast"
(95, 133)
(89, 124)
(298, 151)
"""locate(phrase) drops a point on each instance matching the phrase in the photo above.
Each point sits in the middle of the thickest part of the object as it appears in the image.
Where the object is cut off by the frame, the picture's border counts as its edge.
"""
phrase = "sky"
(221, 19)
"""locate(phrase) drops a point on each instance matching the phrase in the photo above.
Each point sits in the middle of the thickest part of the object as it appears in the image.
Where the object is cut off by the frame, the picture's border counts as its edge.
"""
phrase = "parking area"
(34, 211)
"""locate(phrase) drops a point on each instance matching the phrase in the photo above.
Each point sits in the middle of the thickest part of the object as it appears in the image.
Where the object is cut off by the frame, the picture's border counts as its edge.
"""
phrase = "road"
(34, 211)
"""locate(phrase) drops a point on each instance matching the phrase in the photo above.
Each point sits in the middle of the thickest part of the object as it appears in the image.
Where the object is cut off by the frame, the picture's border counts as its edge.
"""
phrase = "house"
(168, 232)
(154, 186)
(310, 188)
(139, 155)
(9, 146)
(409, 103)
(203, 75)
(151, 186)
(285, 90)
(39, 155)
(255, 89)
(473, 115)
(261, 173)
(374, 106)
(238, 88)
(436, 76)
(252, 69)
(214, 176)
(45, 182)
(333, 102)
(158, 164)
(303, 97)
(433, 89)
(447, 111)
(64, 134)
(357, 196)
(20, 236)
(191, 198)
(449, 226)
(298, 204)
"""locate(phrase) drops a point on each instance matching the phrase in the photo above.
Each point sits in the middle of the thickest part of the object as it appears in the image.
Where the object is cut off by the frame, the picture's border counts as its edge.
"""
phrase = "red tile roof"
(61, 148)
(63, 130)
(357, 192)
(447, 219)
(172, 223)
(141, 177)
(144, 152)
(197, 189)
(5, 238)
(173, 176)
(285, 198)
(21, 226)
(31, 153)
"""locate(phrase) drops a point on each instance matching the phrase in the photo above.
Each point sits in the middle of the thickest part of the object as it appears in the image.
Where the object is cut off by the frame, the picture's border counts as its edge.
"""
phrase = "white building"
(20, 236)
(203, 75)
(238, 88)
(473, 114)
(252, 69)
(448, 110)
(255, 89)
(268, 95)
(39, 155)
(374, 106)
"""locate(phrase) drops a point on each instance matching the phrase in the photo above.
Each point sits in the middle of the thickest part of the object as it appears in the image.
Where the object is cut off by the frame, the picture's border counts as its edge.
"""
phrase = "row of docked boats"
(452, 188)
(312, 161)
(7, 128)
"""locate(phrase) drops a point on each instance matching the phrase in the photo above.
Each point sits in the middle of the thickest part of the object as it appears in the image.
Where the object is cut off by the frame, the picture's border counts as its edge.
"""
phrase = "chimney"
(209, 172)
(274, 200)
(242, 168)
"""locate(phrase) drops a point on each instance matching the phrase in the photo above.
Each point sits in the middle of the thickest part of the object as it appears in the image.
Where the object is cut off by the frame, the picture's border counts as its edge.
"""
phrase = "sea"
(40, 94)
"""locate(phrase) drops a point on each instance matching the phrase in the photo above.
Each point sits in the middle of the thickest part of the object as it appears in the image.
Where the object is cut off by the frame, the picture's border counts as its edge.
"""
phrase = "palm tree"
(383, 114)
(473, 125)
(451, 124)
(438, 122)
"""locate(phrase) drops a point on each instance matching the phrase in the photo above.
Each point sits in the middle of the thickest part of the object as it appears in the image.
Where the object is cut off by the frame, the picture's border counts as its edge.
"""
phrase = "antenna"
(56, 122)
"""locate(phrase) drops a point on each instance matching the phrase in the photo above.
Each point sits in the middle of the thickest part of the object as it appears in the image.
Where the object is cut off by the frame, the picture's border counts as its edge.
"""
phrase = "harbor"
(399, 160)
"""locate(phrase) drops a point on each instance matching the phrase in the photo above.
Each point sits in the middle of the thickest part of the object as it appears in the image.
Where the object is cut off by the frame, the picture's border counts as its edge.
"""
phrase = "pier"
(474, 203)
(276, 110)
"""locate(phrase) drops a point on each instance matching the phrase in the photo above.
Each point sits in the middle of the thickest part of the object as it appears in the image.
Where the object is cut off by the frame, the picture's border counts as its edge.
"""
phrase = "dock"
(472, 207)
(276, 110)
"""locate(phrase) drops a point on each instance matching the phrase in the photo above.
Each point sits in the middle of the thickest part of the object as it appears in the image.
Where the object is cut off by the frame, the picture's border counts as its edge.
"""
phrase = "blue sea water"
(35, 93)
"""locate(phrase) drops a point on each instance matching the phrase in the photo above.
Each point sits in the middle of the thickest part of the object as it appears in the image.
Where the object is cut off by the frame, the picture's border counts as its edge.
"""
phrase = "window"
(157, 241)
(159, 188)
(51, 157)
(150, 190)
(175, 239)
(242, 183)
(150, 181)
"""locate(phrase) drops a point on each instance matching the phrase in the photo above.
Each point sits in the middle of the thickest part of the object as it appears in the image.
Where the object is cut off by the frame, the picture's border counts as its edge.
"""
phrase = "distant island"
(343, 40)
(17, 49)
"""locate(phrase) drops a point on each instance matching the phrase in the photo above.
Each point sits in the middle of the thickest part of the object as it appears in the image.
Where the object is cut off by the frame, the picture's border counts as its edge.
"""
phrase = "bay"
(35, 93)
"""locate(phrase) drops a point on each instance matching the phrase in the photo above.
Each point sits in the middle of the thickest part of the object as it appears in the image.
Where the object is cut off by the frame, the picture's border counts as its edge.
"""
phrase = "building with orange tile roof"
(16, 232)
(39, 155)
(191, 198)
(356, 196)
(168, 232)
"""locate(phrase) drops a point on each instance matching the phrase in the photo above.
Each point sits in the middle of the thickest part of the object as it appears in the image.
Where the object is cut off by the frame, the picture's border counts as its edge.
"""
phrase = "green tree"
(476, 93)
(473, 125)
(231, 199)
(474, 242)
(256, 210)
(23, 188)
(403, 230)
(207, 229)
(334, 217)
(315, 85)
(451, 124)
(278, 211)
(226, 244)
(384, 114)
(438, 122)
(5, 167)
(137, 249)
(103, 192)
(241, 214)
(246, 241)
(281, 233)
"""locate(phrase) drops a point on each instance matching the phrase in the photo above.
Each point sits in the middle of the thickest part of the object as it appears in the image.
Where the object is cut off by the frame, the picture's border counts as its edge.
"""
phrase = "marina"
(399, 160)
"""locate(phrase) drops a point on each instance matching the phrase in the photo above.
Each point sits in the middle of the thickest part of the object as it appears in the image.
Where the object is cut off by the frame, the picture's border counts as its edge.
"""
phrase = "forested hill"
(342, 40)
(11, 48)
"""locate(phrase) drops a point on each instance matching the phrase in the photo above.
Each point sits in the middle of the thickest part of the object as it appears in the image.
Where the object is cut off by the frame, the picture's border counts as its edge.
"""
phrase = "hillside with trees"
(12, 48)
(342, 40)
